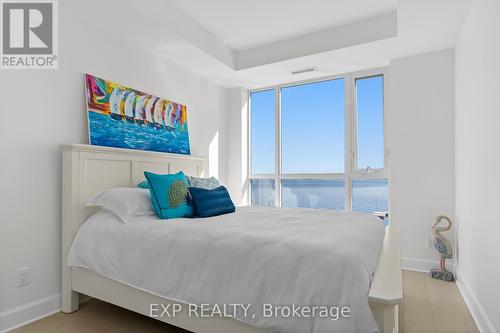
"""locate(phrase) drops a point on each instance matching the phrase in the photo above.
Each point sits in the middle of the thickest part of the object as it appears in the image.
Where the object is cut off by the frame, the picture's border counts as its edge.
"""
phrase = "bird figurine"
(443, 247)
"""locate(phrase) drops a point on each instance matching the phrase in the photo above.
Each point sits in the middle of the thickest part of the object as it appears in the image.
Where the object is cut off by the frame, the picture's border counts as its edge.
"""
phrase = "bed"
(88, 170)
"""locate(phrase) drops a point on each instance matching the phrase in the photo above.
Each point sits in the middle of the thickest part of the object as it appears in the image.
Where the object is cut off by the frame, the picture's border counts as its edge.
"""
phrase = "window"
(262, 147)
(262, 132)
(370, 186)
(370, 122)
(312, 128)
(313, 193)
(262, 192)
(369, 195)
(320, 144)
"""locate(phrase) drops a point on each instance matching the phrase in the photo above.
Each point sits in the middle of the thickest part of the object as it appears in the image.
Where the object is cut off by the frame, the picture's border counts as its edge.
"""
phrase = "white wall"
(478, 161)
(41, 109)
(421, 105)
(237, 145)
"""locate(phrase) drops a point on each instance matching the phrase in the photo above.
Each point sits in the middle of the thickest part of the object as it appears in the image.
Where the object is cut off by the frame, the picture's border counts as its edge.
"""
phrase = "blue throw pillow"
(214, 202)
(169, 194)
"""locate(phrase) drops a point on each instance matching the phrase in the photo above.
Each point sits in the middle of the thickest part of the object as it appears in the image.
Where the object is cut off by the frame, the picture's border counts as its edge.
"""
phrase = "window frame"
(351, 172)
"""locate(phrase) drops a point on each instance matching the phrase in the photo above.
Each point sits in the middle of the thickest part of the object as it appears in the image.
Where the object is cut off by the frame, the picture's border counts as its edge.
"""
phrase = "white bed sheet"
(255, 256)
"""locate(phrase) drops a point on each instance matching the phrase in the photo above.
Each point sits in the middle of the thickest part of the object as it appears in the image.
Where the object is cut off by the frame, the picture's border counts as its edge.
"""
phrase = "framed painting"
(122, 117)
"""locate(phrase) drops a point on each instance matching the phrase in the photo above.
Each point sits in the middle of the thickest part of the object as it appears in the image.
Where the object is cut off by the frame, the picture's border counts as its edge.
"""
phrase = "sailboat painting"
(126, 118)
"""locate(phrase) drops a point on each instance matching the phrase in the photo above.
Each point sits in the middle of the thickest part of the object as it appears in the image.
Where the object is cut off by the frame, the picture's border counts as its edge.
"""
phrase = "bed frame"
(87, 170)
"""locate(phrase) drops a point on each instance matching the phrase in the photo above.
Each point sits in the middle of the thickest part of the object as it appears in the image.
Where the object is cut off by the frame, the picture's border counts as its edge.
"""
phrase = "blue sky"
(262, 132)
(370, 122)
(312, 118)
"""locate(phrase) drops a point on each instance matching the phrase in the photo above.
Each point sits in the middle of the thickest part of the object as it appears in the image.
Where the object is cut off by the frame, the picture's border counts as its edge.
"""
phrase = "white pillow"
(125, 202)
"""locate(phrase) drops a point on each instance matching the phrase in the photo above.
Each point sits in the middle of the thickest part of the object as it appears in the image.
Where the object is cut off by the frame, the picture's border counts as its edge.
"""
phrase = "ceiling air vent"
(303, 70)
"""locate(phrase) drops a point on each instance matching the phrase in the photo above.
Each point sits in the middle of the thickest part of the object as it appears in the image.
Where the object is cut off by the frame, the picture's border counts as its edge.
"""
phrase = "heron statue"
(443, 247)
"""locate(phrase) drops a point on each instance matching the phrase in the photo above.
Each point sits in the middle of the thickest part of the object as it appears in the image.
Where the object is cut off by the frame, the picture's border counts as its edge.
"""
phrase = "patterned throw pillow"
(206, 183)
(169, 194)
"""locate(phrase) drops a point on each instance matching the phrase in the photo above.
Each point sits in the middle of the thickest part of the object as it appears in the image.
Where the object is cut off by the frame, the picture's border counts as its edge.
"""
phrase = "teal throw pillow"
(169, 194)
(143, 184)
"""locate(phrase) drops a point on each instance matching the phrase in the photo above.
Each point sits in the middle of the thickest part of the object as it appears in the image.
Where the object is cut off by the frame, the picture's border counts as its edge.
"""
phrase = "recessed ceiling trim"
(144, 24)
(179, 23)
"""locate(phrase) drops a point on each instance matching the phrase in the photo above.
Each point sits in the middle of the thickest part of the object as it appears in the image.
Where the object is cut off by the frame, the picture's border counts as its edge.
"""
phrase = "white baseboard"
(424, 265)
(476, 309)
(27, 313)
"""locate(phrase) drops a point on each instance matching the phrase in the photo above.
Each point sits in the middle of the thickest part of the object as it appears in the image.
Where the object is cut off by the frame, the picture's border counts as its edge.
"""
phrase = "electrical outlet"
(429, 241)
(23, 276)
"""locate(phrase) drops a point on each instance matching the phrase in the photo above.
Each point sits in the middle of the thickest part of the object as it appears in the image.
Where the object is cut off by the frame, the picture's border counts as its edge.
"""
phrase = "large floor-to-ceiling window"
(320, 144)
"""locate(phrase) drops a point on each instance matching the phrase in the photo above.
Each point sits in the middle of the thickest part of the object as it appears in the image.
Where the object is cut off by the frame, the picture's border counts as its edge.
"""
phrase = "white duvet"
(255, 256)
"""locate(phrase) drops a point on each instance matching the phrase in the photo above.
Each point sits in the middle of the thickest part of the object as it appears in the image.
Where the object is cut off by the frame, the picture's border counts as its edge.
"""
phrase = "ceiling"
(246, 24)
(254, 44)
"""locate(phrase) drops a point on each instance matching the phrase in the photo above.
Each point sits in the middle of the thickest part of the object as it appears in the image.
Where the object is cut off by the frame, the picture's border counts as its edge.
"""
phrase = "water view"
(367, 195)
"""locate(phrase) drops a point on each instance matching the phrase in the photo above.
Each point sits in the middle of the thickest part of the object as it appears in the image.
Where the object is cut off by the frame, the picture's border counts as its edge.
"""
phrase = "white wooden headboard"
(88, 170)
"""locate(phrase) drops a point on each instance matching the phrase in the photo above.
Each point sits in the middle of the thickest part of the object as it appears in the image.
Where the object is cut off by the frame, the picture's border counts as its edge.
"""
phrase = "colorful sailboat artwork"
(122, 117)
